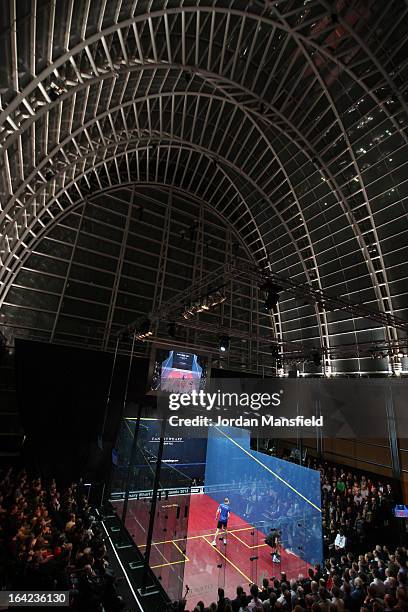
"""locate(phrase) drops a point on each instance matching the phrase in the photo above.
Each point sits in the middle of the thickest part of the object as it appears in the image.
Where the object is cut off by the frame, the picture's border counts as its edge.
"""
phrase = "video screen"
(401, 511)
(177, 371)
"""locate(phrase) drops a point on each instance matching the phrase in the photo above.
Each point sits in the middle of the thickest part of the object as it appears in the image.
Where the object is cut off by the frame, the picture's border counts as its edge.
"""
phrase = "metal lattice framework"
(285, 120)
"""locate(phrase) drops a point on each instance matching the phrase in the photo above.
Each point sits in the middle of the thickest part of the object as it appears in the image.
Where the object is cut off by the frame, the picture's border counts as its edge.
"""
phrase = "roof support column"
(115, 289)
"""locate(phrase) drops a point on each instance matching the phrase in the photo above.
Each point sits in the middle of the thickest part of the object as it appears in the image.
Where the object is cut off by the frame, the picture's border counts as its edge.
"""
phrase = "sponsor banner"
(120, 495)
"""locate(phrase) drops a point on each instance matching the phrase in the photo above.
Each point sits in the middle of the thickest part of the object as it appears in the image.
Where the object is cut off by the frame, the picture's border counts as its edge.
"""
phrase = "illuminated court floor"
(198, 565)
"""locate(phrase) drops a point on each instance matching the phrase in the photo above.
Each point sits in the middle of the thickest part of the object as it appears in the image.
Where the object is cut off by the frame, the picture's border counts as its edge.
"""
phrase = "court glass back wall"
(265, 491)
(134, 474)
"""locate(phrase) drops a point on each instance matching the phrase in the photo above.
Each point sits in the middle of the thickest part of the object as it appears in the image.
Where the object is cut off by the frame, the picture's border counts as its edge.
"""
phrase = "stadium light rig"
(204, 304)
(144, 331)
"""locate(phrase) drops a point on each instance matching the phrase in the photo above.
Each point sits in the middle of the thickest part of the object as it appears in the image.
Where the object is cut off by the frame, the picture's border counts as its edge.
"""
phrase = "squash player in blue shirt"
(222, 515)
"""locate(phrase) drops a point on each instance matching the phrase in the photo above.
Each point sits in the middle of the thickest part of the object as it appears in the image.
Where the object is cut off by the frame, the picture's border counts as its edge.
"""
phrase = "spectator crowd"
(50, 541)
(355, 504)
(373, 582)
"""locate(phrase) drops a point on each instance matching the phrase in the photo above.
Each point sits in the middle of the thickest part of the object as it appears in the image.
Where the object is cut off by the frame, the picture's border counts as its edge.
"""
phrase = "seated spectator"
(222, 601)
(49, 544)
(70, 523)
(237, 602)
(265, 592)
(357, 595)
(390, 582)
(243, 607)
(378, 584)
(323, 600)
(371, 601)
(337, 599)
(255, 603)
(271, 604)
(340, 542)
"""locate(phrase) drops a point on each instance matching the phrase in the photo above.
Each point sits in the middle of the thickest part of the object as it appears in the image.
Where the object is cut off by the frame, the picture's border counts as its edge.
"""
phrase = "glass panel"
(268, 493)
(120, 460)
(264, 494)
(167, 556)
(141, 472)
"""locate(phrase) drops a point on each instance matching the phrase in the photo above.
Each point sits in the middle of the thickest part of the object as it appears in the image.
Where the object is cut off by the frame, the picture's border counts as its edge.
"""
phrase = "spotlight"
(204, 303)
(144, 330)
(401, 354)
(189, 312)
(217, 298)
(224, 343)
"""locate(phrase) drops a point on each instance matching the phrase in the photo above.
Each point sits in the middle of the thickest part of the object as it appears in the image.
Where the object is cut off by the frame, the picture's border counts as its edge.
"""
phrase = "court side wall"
(265, 491)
